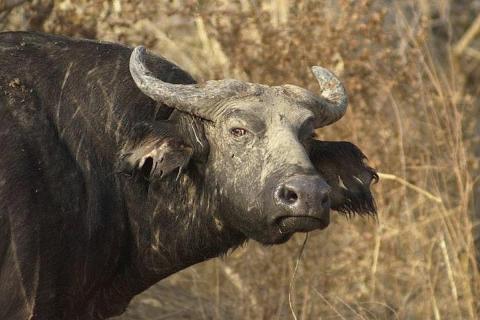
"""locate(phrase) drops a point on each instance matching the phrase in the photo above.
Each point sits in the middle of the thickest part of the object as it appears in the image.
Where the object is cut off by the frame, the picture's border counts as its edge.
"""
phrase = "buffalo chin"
(291, 224)
(271, 236)
(277, 238)
(285, 227)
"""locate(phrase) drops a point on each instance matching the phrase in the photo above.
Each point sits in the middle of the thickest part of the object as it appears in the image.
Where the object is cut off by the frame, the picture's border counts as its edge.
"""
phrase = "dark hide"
(344, 167)
(104, 192)
(68, 248)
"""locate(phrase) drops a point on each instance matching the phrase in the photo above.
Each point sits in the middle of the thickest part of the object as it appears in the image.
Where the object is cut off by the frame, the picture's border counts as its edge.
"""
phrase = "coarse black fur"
(63, 207)
(79, 237)
(342, 162)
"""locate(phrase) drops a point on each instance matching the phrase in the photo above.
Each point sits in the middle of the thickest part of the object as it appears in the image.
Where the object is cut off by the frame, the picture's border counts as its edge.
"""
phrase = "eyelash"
(238, 132)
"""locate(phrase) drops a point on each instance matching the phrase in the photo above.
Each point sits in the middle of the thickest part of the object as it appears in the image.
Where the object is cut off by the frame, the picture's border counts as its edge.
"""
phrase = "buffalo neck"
(173, 224)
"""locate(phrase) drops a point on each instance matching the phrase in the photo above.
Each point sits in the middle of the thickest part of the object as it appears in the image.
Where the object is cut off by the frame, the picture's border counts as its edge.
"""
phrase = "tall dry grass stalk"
(414, 105)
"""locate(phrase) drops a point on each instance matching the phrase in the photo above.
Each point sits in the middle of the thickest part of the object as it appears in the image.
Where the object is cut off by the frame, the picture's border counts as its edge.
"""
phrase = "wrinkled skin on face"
(258, 143)
(266, 175)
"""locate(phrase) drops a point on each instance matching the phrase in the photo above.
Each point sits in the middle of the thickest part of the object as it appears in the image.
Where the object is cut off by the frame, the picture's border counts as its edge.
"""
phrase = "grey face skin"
(278, 191)
(260, 140)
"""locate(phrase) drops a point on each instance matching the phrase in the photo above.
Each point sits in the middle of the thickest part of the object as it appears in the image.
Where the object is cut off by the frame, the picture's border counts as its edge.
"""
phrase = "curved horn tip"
(331, 89)
(323, 74)
(138, 53)
(137, 66)
(140, 49)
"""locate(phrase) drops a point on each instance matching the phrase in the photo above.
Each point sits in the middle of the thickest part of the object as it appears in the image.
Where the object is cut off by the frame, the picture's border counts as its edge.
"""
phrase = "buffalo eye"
(238, 132)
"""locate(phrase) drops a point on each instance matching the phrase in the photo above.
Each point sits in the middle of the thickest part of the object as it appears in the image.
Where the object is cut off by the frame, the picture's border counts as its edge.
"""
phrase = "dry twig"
(463, 43)
(388, 176)
(292, 280)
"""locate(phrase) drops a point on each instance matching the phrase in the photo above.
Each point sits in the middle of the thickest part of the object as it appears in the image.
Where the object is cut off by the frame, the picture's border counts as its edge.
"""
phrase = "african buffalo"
(118, 170)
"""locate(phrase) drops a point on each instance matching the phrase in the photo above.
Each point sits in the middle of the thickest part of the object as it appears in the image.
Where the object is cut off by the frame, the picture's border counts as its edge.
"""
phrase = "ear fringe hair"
(348, 162)
(360, 203)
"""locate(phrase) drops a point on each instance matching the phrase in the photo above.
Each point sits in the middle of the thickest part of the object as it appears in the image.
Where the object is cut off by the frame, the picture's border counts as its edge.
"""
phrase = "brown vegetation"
(412, 72)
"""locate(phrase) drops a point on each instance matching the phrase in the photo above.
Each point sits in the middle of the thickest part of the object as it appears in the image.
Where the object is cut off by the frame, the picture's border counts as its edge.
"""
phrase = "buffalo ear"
(344, 167)
(155, 155)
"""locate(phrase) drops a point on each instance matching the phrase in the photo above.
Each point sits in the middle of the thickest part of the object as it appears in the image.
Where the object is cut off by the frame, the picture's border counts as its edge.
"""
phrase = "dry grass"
(414, 104)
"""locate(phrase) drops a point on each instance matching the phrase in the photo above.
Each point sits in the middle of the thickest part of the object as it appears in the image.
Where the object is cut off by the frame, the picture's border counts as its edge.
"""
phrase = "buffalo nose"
(304, 195)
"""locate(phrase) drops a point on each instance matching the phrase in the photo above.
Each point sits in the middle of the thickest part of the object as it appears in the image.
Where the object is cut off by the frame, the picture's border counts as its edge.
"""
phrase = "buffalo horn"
(332, 103)
(196, 99)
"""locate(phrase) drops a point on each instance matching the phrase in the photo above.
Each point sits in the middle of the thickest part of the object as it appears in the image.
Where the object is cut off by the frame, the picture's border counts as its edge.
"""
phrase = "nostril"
(290, 196)
(286, 195)
(303, 195)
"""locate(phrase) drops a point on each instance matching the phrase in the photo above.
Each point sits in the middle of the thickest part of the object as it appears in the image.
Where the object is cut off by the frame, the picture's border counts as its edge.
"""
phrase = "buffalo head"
(270, 176)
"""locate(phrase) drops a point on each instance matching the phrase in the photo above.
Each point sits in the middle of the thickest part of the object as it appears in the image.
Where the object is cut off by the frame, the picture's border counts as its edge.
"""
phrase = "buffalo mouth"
(291, 224)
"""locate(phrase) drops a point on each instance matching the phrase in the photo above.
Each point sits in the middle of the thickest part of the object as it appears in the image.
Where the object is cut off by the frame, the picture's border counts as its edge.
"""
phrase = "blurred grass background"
(412, 70)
